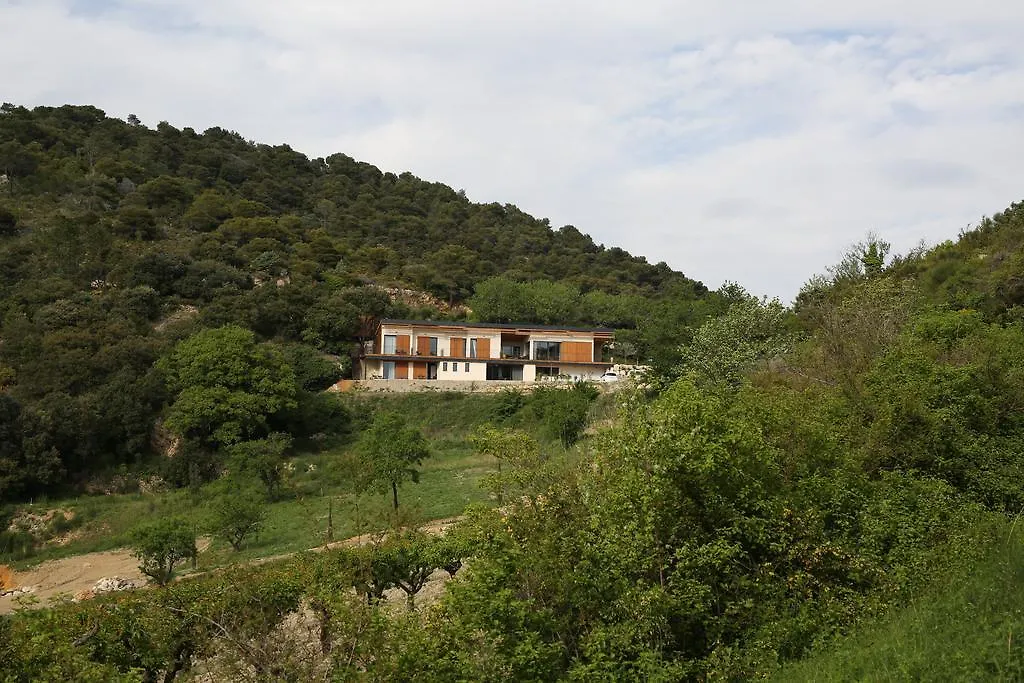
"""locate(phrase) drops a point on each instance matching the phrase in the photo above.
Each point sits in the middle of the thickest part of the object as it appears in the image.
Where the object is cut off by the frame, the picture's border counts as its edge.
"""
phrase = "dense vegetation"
(118, 242)
(785, 478)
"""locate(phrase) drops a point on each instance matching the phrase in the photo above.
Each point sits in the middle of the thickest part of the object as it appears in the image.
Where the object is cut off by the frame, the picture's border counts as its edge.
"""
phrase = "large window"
(390, 343)
(389, 370)
(472, 348)
(546, 371)
(433, 346)
(546, 350)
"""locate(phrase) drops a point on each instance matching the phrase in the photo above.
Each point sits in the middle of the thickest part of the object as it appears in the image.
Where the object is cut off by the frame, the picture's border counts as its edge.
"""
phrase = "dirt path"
(74, 576)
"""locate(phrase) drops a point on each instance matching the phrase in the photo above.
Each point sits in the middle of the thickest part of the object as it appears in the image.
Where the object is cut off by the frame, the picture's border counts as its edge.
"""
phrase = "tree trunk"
(394, 494)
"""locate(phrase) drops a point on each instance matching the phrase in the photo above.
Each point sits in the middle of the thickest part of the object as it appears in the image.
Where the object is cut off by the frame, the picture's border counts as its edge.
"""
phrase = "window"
(467, 367)
(546, 350)
(472, 348)
(433, 346)
(390, 343)
(546, 371)
(389, 370)
(444, 366)
(455, 367)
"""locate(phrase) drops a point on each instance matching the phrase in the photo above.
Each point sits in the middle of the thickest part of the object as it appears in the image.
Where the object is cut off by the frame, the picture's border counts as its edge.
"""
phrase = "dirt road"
(72, 576)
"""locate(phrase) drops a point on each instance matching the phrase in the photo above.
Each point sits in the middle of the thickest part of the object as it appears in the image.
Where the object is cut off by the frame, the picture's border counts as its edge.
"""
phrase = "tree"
(724, 348)
(391, 451)
(238, 511)
(160, 546)
(518, 456)
(263, 459)
(227, 386)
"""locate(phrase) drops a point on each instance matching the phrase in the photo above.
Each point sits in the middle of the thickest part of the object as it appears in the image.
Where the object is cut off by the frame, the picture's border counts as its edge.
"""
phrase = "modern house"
(412, 349)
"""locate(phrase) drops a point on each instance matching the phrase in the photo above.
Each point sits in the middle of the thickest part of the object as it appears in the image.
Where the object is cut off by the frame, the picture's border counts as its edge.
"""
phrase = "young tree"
(237, 512)
(263, 459)
(392, 450)
(160, 546)
(412, 562)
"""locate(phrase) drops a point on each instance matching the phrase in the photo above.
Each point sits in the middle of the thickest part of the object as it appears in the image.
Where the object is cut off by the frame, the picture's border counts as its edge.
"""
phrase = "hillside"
(117, 241)
(824, 492)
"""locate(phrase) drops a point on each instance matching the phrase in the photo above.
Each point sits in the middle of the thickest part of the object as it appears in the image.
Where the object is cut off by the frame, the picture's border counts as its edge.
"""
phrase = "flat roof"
(495, 326)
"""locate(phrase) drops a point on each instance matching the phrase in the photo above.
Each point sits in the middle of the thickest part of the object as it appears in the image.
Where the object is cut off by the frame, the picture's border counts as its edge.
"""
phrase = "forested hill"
(216, 197)
(117, 241)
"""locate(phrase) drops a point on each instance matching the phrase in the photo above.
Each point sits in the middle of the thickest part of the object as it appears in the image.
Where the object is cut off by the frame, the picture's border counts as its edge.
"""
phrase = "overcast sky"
(747, 141)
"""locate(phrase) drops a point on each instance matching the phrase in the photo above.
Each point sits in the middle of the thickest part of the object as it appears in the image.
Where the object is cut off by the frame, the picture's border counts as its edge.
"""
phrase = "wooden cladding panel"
(458, 347)
(402, 370)
(483, 348)
(576, 352)
(402, 343)
(423, 347)
(419, 370)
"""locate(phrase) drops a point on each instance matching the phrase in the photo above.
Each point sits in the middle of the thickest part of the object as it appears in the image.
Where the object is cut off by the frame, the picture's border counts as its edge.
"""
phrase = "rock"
(109, 584)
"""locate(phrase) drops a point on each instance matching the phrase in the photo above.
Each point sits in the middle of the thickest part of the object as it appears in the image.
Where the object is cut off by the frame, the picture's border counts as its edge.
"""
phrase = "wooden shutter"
(457, 347)
(483, 348)
(423, 346)
(402, 344)
(576, 352)
(419, 370)
(402, 370)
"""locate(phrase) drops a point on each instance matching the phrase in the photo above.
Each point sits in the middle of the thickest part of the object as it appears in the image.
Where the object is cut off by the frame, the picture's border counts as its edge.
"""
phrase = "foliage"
(227, 386)
(262, 459)
(392, 450)
(237, 511)
(726, 348)
(564, 411)
(161, 545)
(119, 241)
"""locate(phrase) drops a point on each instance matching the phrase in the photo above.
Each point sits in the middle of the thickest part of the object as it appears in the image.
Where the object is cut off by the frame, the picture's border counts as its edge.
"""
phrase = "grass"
(449, 481)
(971, 628)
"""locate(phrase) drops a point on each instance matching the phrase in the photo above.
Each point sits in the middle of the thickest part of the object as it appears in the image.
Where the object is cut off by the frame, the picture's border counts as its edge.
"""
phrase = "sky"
(750, 141)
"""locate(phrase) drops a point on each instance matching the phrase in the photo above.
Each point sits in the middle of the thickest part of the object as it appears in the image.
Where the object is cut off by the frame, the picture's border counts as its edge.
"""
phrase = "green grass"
(970, 627)
(449, 481)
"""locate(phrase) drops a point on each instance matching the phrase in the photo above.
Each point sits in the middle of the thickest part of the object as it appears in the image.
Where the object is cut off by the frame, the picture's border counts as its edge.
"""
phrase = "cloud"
(745, 141)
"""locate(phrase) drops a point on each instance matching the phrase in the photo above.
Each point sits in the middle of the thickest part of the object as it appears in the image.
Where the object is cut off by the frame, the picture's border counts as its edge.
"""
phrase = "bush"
(162, 545)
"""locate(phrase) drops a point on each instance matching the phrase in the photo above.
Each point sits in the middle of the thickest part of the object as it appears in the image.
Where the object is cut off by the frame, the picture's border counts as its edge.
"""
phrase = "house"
(412, 349)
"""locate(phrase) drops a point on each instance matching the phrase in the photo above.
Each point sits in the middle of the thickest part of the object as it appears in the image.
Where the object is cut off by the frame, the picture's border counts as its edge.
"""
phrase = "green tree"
(263, 459)
(392, 450)
(226, 386)
(238, 511)
(724, 348)
(160, 546)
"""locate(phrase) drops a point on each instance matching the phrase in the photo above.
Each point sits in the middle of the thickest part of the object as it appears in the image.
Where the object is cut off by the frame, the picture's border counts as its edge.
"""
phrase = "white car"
(610, 377)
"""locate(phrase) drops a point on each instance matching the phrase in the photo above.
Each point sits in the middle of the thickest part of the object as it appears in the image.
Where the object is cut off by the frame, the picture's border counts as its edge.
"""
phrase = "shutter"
(419, 370)
(483, 348)
(576, 352)
(423, 346)
(402, 344)
(402, 370)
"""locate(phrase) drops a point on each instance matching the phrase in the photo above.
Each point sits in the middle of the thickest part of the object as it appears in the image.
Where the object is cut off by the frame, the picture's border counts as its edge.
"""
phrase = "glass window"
(546, 350)
(390, 343)
(546, 371)
(472, 348)
(389, 370)
(467, 367)
(444, 366)
(455, 367)
(433, 346)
